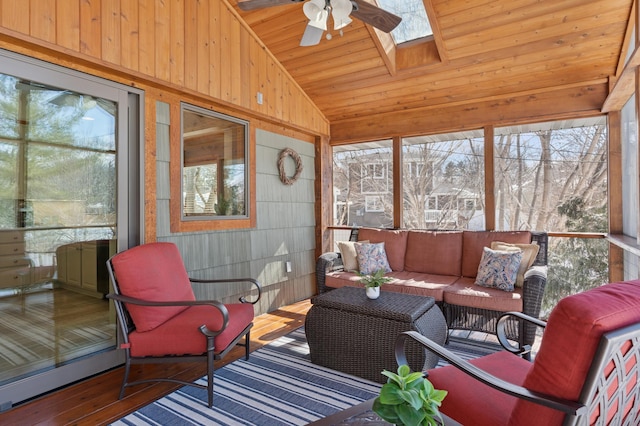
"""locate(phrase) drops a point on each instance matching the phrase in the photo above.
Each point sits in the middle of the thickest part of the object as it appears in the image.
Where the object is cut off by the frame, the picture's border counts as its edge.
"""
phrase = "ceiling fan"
(318, 12)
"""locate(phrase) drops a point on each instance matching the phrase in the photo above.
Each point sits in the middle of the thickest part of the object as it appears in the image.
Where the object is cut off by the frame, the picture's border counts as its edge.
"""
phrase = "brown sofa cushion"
(395, 244)
(434, 252)
(403, 282)
(465, 293)
(474, 241)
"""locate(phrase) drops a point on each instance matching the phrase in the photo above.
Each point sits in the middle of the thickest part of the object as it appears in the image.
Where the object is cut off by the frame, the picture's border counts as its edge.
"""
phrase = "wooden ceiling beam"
(523, 107)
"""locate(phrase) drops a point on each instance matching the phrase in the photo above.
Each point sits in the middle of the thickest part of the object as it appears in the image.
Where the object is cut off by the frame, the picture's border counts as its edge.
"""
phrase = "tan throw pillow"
(349, 256)
(529, 253)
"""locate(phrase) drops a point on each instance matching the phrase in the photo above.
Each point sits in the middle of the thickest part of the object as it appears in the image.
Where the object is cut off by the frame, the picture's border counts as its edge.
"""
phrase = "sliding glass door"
(68, 157)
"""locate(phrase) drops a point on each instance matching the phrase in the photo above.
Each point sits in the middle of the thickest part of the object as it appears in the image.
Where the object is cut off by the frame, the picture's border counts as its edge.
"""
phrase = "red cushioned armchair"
(161, 320)
(585, 372)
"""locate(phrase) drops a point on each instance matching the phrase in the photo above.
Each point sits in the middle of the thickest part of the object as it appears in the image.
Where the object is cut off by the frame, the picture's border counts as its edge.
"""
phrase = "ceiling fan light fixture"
(340, 11)
(317, 14)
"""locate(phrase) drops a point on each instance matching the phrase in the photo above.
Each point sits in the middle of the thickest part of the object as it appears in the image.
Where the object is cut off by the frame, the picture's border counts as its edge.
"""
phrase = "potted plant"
(372, 282)
(409, 399)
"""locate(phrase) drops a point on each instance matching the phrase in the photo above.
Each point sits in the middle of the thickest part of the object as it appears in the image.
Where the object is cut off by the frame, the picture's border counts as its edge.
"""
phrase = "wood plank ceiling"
(481, 49)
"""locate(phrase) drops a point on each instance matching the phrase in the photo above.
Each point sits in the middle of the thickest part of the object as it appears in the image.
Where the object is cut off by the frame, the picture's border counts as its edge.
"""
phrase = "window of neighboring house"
(359, 172)
(214, 166)
(373, 178)
(413, 169)
(446, 171)
(373, 204)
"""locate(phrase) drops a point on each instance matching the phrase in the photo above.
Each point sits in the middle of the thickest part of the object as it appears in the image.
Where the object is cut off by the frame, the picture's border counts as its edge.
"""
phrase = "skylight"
(415, 22)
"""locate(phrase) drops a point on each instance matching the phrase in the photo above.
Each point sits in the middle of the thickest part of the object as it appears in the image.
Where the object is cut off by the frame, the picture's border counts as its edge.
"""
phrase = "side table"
(348, 332)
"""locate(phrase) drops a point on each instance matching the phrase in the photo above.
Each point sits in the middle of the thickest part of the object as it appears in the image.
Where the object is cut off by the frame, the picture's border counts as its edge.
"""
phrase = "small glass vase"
(373, 292)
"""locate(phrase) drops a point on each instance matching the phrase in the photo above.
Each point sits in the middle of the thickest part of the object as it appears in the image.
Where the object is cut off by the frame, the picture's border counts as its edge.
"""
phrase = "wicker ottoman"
(350, 333)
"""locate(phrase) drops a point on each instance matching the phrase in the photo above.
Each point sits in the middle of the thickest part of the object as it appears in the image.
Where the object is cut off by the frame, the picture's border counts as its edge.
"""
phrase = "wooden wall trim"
(615, 172)
(324, 195)
(569, 101)
(489, 179)
(614, 166)
(150, 201)
(398, 183)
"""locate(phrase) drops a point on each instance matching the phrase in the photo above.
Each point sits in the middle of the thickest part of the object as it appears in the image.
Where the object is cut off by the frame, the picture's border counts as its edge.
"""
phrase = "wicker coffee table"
(348, 332)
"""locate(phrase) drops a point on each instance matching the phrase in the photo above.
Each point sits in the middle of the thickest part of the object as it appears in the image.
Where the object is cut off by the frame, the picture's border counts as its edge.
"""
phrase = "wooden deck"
(95, 401)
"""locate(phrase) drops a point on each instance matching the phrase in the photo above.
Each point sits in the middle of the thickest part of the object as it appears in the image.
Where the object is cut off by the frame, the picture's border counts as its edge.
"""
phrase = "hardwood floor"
(95, 401)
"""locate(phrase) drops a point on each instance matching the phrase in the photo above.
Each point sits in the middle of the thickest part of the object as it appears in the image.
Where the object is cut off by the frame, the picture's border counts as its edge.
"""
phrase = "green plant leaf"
(412, 397)
(438, 396)
(390, 394)
(393, 377)
(386, 412)
(409, 416)
(404, 370)
(415, 378)
(409, 399)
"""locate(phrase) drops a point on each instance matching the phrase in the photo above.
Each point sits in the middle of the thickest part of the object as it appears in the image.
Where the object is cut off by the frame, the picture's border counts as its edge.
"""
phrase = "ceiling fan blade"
(312, 36)
(247, 5)
(375, 16)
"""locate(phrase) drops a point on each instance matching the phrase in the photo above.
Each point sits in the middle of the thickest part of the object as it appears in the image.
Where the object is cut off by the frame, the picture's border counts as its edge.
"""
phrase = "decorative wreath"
(288, 152)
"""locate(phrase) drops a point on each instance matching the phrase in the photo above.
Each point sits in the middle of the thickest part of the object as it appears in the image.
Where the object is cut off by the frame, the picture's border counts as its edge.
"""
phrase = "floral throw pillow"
(529, 253)
(372, 258)
(349, 256)
(498, 269)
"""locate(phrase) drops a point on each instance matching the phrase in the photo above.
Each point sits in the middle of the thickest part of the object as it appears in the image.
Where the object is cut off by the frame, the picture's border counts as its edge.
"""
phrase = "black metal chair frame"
(126, 326)
(596, 392)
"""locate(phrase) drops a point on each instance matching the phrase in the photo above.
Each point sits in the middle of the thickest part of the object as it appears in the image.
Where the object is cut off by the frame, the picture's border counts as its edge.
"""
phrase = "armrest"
(502, 332)
(535, 282)
(566, 406)
(242, 299)
(223, 309)
(327, 262)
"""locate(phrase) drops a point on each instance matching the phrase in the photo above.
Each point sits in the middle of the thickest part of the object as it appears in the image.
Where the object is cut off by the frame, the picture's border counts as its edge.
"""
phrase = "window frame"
(178, 223)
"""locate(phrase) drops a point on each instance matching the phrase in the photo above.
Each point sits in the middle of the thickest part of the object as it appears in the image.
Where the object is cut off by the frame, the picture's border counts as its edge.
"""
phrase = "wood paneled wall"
(197, 46)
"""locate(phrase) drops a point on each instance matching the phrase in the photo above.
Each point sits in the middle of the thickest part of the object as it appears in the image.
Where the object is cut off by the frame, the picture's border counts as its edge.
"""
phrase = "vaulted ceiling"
(481, 49)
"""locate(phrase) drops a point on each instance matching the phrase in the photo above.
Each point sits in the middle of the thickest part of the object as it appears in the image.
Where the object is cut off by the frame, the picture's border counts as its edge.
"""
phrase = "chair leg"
(246, 345)
(125, 379)
(210, 370)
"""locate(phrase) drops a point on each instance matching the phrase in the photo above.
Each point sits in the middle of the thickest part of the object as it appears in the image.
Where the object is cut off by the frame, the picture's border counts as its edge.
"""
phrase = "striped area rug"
(277, 386)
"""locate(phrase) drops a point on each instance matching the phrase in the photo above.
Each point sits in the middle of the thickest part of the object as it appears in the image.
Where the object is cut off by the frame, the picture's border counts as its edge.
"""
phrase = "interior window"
(214, 165)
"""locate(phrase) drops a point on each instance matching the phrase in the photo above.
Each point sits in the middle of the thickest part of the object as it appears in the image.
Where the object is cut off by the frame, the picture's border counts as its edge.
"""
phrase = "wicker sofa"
(443, 265)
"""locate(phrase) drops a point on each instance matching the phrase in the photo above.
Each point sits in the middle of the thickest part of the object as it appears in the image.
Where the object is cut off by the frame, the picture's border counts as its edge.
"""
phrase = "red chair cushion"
(570, 341)
(153, 272)
(180, 335)
(471, 402)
